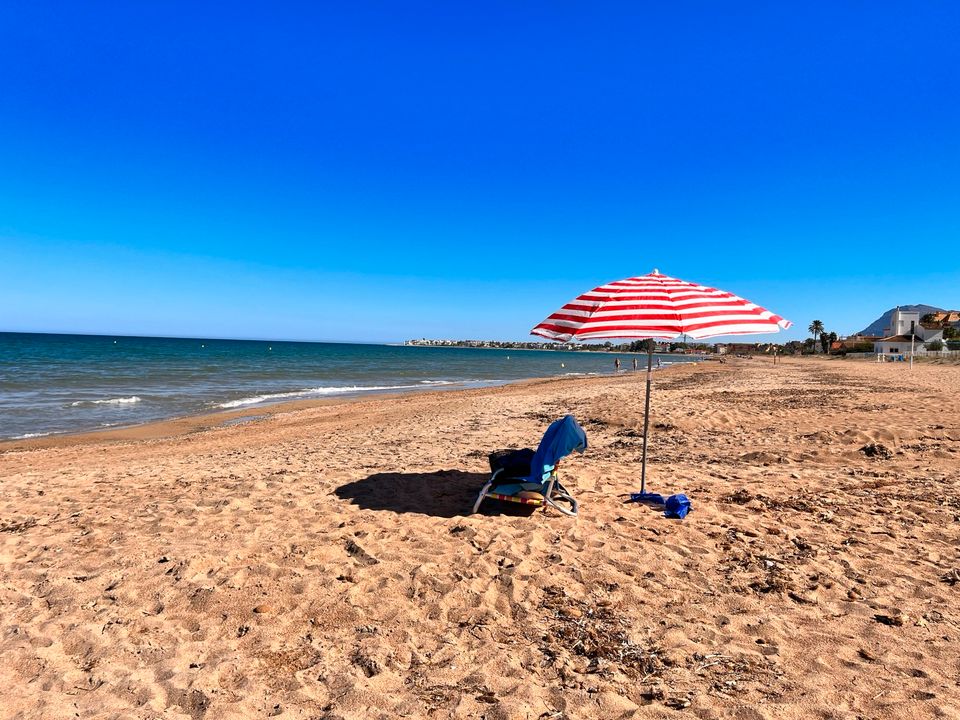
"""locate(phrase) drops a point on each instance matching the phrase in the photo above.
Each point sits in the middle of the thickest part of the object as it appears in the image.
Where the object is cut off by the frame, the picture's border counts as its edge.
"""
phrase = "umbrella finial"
(655, 272)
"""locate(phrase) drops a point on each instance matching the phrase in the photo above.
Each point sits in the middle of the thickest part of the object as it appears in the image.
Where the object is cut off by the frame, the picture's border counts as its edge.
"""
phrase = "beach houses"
(855, 343)
(905, 329)
(945, 317)
(744, 348)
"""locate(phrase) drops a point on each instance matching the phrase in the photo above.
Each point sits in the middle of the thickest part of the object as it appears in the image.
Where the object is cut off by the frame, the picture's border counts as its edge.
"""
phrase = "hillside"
(877, 327)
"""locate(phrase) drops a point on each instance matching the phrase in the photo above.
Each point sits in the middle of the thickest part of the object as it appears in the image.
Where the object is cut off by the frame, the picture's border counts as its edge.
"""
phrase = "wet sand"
(318, 562)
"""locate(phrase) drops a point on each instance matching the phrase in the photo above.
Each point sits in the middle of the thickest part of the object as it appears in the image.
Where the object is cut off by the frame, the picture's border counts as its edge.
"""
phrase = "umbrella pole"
(646, 422)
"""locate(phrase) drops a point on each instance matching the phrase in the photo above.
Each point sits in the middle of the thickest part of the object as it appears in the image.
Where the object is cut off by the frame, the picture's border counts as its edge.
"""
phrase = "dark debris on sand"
(591, 644)
(597, 632)
(876, 450)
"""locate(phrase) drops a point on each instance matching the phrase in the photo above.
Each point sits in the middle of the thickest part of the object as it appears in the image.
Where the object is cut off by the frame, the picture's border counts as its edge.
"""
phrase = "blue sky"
(379, 171)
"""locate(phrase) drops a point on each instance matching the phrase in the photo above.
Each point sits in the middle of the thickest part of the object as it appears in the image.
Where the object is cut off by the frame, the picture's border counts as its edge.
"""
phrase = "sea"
(53, 384)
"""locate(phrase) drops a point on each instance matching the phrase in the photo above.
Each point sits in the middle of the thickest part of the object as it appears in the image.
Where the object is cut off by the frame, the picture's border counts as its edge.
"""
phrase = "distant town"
(920, 329)
(636, 346)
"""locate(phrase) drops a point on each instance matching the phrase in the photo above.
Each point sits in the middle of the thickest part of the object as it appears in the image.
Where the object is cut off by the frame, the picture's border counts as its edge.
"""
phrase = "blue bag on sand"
(677, 506)
(648, 498)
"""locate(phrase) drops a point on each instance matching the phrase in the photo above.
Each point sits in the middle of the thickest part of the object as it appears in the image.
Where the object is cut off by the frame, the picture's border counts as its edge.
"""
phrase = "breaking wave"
(110, 401)
(323, 391)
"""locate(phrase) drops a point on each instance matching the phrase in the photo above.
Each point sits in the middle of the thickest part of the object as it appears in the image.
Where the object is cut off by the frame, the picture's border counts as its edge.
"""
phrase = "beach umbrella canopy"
(656, 306)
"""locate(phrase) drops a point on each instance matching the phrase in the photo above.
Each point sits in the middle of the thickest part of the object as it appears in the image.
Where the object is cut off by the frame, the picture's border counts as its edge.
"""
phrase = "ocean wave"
(318, 392)
(109, 401)
(27, 436)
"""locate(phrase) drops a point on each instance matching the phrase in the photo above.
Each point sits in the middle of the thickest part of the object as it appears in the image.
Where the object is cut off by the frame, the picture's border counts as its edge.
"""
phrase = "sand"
(317, 563)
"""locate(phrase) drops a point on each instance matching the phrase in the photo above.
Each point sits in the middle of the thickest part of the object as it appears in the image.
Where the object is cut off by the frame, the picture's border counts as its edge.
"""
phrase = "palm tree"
(816, 328)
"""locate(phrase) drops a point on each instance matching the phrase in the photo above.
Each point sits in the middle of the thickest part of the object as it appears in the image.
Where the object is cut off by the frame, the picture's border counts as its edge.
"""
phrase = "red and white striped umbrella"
(657, 306)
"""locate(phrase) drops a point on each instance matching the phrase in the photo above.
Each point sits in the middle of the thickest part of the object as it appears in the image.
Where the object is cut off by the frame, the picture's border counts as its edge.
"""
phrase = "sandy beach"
(319, 563)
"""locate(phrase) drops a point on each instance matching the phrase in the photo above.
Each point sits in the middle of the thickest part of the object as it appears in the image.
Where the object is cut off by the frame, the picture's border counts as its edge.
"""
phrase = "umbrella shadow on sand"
(443, 493)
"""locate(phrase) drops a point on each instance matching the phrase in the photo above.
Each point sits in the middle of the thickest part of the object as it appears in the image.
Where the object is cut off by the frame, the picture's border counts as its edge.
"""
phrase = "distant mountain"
(879, 326)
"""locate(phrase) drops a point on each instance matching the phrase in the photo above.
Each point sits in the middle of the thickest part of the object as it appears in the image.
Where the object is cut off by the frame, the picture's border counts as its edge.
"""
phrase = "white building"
(903, 325)
(899, 345)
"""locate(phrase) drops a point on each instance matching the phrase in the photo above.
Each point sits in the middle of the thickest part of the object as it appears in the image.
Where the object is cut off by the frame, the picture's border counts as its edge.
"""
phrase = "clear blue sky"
(379, 171)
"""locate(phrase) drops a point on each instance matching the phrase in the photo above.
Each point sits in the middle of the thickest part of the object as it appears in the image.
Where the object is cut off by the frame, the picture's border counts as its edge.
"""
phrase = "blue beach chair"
(530, 478)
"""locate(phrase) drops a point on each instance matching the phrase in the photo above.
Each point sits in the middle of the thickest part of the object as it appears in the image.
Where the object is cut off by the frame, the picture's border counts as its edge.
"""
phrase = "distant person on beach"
(634, 364)
(616, 364)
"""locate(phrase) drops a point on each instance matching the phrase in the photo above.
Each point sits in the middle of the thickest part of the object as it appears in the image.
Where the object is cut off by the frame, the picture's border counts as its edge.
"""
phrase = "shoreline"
(75, 385)
(208, 419)
(198, 422)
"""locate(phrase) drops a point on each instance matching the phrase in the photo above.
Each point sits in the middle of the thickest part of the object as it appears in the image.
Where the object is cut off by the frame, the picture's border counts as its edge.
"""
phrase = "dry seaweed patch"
(740, 673)
(876, 450)
(799, 502)
(595, 631)
(743, 569)
(366, 662)
(832, 380)
(772, 565)
(15, 526)
(592, 639)
(783, 399)
(434, 697)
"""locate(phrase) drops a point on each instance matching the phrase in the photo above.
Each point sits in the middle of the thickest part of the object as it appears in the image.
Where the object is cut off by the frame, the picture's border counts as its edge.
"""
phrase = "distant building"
(899, 345)
(855, 343)
(905, 325)
(946, 317)
(854, 339)
(744, 348)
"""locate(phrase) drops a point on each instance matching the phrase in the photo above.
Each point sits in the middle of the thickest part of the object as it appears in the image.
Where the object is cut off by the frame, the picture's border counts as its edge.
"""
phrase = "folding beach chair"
(530, 478)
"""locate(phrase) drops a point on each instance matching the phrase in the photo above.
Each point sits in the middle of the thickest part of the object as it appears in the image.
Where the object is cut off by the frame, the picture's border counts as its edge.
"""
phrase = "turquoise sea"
(69, 383)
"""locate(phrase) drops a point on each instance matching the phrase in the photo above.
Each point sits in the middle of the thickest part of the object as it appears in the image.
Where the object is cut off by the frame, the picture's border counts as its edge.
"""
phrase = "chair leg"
(555, 492)
(563, 497)
(480, 497)
(484, 490)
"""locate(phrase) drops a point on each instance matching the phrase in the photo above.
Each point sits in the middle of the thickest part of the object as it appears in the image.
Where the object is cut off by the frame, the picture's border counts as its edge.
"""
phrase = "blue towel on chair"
(561, 438)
